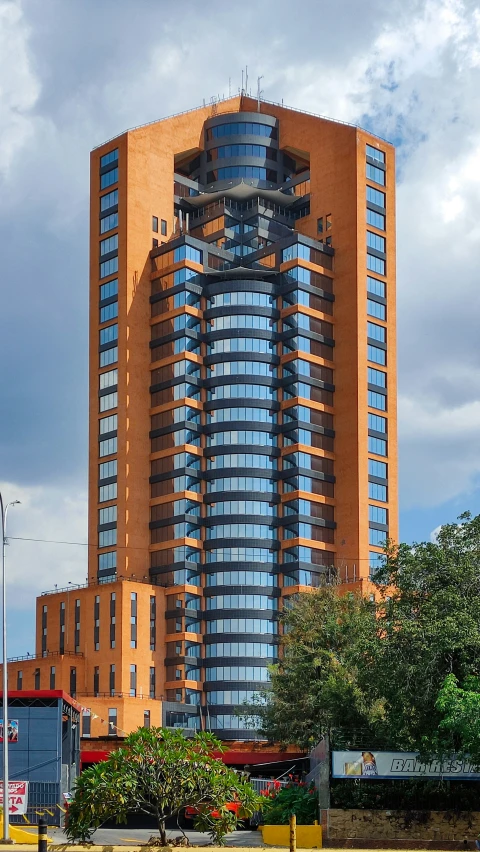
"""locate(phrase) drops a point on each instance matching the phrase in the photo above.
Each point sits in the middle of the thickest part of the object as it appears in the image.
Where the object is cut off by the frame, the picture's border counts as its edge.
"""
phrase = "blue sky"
(74, 74)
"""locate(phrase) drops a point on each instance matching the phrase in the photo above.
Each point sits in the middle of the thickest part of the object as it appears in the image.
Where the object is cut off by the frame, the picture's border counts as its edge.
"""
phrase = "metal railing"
(260, 784)
(231, 98)
(43, 655)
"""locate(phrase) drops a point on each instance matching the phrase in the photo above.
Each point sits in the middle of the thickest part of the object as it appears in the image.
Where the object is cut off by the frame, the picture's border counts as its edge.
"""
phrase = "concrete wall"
(440, 826)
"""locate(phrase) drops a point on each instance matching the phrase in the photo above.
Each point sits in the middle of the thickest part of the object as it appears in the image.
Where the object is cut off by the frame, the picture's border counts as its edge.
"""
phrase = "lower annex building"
(242, 408)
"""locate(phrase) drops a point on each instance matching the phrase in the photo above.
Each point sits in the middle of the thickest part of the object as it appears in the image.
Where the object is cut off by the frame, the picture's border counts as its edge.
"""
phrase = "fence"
(43, 800)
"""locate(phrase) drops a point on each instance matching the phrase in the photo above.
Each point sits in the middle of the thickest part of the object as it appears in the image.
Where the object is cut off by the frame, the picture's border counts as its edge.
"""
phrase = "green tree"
(160, 772)
(318, 686)
(459, 726)
(351, 665)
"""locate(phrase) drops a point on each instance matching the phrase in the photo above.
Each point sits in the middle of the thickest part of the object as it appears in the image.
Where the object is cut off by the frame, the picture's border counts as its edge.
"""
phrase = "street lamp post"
(6, 815)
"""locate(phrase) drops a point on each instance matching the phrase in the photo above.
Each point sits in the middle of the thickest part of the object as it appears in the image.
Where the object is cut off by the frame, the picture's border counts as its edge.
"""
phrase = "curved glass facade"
(243, 376)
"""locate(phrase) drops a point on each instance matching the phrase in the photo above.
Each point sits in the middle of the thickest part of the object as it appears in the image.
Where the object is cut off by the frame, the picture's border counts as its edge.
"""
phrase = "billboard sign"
(398, 764)
(12, 730)
(17, 797)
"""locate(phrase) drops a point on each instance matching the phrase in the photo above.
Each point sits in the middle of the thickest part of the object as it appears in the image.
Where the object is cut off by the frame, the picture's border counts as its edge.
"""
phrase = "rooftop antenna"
(246, 79)
(242, 81)
(259, 92)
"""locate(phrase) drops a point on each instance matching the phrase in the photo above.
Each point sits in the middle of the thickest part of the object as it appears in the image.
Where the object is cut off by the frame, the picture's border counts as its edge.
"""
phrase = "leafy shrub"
(280, 803)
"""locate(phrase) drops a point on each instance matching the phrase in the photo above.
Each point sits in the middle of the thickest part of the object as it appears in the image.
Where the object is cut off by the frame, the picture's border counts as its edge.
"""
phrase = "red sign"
(17, 796)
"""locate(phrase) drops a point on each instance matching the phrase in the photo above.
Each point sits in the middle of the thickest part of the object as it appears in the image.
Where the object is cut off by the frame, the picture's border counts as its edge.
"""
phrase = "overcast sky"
(74, 73)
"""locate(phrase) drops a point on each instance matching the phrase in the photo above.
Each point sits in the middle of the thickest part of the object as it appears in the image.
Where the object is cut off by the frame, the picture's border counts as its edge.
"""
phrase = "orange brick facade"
(163, 618)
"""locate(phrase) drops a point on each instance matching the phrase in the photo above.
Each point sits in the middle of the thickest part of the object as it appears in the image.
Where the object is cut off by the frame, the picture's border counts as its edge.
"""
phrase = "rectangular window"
(375, 264)
(375, 309)
(109, 289)
(107, 492)
(108, 424)
(109, 401)
(107, 469)
(113, 604)
(187, 252)
(374, 241)
(52, 677)
(377, 288)
(377, 175)
(77, 626)
(112, 681)
(108, 267)
(109, 178)
(154, 243)
(109, 158)
(377, 446)
(109, 537)
(376, 561)
(379, 356)
(320, 225)
(109, 200)
(377, 515)
(108, 561)
(164, 229)
(108, 356)
(376, 219)
(376, 332)
(19, 679)
(108, 379)
(375, 154)
(155, 224)
(377, 492)
(377, 538)
(96, 680)
(153, 622)
(112, 721)
(377, 400)
(73, 682)
(375, 196)
(108, 334)
(108, 312)
(377, 468)
(146, 718)
(108, 223)
(133, 620)
(108, 447)
(376, 377)
(377, 423)
(133, 681)
(86, 723)
(109, 515)
(152, 689)
(36, 679)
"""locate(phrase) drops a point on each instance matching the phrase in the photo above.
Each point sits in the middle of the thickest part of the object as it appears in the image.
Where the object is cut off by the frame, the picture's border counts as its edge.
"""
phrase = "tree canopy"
(379, 666)
(160, 772)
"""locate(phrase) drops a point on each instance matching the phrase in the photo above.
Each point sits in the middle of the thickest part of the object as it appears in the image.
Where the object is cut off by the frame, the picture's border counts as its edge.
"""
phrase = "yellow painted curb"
(308, 836)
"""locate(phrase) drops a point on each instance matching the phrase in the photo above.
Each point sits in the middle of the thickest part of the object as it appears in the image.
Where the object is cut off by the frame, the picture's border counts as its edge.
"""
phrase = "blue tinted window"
(109, 158)
(108, 178)
(241, 151)
(377, 423)
(108, 267)
(109, 356)
(377, 400)
(377, 514)
(109, 289)
(109, 312)
(375, 241)
(377, 468)
(107, 469)
(375, 196)
(242, 128)
(377, 377)
(378, 175)
(375, 309)
(377, 446)
(376, 264)
(109, 200)
(376, 332)
(187, 252)
(379, 356)
(375, 154)
(377, 537)
(377, 492)
(108, 334)
(107, 560)
(108, 244)
(256, 172)
(376, 560)
(108, 223)
(376, 219)
(375, 286)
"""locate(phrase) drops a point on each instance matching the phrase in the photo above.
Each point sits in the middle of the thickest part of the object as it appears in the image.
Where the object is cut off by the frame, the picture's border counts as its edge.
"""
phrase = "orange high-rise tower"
(242, 406)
